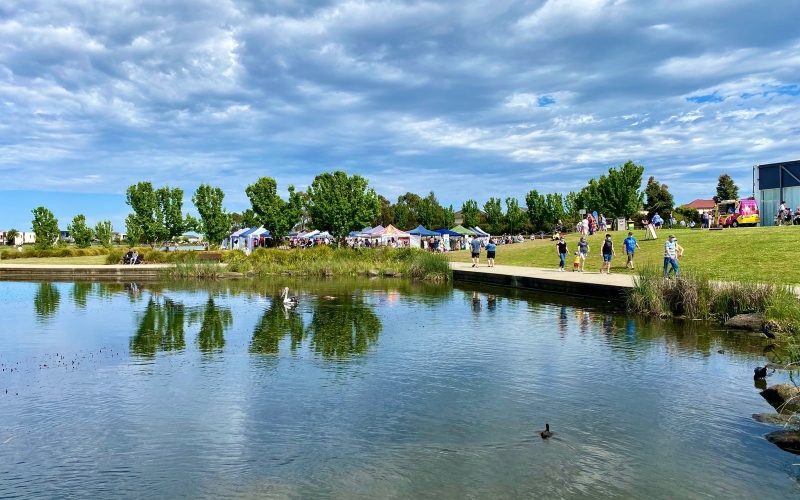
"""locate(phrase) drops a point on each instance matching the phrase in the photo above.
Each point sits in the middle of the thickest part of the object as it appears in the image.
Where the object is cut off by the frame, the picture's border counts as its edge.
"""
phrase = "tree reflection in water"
(215, 320)
(275, 324)
(79, 294)
(161, 327)
(46, 300)
(343, 328)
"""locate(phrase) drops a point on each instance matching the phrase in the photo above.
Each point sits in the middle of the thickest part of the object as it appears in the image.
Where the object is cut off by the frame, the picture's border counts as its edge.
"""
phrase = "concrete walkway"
(594, 277)
(70, 272)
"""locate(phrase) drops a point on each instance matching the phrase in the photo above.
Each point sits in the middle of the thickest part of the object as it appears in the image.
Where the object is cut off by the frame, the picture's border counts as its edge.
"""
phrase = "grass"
(757, 255)
(202, 270)
(60, 261)
(65, 252)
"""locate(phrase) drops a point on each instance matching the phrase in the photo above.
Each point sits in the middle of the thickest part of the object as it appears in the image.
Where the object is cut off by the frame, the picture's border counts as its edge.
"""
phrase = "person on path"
(584, 226)
(561, 248)
(490, 249)
(603, 223)
(630, 247)
(608, 253)
(670, 256)
(476, 245)
(583, 249)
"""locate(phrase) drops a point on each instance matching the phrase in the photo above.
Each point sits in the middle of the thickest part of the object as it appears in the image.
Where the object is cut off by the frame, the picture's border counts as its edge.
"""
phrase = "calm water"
(391, 390)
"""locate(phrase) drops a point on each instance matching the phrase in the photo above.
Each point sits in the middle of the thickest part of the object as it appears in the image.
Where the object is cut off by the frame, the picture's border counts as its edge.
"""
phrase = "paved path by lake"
(594, 277)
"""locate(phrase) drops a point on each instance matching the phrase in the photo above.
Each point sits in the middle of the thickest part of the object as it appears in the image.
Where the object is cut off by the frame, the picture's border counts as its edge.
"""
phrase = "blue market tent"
(421, 231)
(448, 232)
(480, 231)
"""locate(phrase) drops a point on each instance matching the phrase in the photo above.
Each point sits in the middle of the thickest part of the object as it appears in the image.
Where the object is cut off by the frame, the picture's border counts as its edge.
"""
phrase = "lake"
(384, 389)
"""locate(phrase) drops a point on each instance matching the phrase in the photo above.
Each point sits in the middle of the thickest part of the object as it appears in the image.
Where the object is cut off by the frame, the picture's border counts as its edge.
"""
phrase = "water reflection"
(344, 327)
(79, 294)
(161, 327)
(277, 322)
(215, 320)
(46, 300)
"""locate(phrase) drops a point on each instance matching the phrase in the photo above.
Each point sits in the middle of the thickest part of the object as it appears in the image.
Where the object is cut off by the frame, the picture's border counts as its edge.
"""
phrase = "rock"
(250, 274)
(231, 274)
(752, 322)
(389, 273)
(398, 275)
(373, 272)
(775, 418)
(783, 397)
(785, 440)
(286, 273)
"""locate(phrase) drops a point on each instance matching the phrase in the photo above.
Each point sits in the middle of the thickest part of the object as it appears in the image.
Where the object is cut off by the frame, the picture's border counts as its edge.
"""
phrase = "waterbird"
(287, 299)
(766, 332)
(759, 372)
(546, 434)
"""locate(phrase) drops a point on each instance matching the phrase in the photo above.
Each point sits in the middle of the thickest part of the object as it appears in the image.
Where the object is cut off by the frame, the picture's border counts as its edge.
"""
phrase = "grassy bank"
(55, 253)
(759, 254)
(96, 260)
(327, 261)
(695, 295)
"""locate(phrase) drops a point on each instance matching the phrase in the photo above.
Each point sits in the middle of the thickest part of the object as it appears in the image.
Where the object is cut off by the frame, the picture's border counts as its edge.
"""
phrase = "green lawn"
(762, 254)
(62, 261)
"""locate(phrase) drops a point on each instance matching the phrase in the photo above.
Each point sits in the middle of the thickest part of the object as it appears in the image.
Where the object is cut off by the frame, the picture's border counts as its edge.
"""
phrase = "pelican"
(288, 300)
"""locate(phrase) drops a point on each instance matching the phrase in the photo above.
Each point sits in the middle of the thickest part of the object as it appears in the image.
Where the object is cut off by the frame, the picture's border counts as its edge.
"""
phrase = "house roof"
(700, 204)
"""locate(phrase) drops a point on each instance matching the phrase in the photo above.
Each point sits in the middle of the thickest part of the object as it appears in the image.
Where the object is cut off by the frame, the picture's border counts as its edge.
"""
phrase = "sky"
(471, 99)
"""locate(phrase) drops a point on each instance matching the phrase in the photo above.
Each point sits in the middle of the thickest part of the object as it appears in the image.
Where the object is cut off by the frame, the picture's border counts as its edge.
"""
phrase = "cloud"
(414, 95)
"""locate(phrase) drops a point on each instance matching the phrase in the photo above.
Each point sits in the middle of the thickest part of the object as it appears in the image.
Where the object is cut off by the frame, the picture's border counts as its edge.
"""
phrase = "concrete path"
(593, 277)
(12, 265)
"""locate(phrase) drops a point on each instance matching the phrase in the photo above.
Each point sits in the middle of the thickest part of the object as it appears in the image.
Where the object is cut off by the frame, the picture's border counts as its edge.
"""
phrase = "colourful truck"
(735, 213)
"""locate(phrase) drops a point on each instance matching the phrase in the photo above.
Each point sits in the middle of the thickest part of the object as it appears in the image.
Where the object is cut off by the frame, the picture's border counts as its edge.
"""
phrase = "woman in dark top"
(561, 247)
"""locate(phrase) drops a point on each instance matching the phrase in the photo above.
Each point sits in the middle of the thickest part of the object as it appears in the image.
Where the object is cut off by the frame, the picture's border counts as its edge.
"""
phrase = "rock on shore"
(752, 322)
(783, 396)
(785, 440)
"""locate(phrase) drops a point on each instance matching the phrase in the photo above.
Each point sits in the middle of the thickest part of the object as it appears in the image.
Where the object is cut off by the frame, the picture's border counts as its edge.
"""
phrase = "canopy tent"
(421, 231)
(253, 238)
(388, 232)
(309, 235)
(463, 231)
(480, 231)
(447, 232)
(233, 239)
(244, 238)
(323, 235)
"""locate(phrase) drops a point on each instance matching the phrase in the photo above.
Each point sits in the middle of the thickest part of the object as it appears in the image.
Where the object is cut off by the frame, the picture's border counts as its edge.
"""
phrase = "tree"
(271, 211)
(448, 217)
(11, 235)
(236, 221)
(536, 209)
(470, 213)
(215, 222)
(386, 214)
(80, 232)
(45, 226)
(428, 210)
(726, 189)
(494, 214)
(157, 214)
(411, 203)
(554, 208)
(618, 193)
(514, 215)
(659, 199)
(340, 203)
(103, 232)
(689, 214)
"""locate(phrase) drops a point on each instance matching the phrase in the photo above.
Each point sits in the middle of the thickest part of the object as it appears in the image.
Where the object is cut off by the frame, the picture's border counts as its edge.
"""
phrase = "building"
(21, 239)
(774, 183)
(702, 206)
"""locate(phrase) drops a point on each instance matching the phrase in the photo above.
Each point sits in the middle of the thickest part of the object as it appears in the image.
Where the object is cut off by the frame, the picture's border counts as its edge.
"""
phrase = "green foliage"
(215, 223)
(157, 214)
(386, 214)
(448, 218)
(537, 211)
(270, 210)
(340, 203)
(402, 216)
(407, 210)
(428, 211)
(572, 208)
(726, 189)
(689, 214)
(514, 215)
(103, 232)
(470, 213)
(80, 232)
(616, 194)
(45, 225)
(236, 222)
(493, 209)
(11, 235)
(659, 199)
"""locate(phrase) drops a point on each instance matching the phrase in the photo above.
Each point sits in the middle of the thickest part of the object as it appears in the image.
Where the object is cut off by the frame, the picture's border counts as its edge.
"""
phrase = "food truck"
(735, 213)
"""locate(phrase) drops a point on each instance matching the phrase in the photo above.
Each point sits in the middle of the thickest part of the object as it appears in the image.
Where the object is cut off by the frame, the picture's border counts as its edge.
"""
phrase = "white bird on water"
(288, 300)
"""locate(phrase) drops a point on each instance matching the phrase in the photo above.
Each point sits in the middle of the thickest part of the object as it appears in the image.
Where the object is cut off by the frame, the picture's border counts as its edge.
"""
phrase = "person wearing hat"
(670, 256)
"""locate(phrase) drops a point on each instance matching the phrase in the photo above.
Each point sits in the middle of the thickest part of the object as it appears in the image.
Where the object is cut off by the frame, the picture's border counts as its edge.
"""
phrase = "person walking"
(630, 245)
(608, 253)
(670, 256)
(583, 249)
(476, 244)
(584, 226)
(490, 249)
(561, 248)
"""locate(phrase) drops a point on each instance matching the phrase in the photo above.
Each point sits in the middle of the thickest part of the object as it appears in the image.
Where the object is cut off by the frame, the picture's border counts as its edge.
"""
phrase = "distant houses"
(21, 239)
(702, 206)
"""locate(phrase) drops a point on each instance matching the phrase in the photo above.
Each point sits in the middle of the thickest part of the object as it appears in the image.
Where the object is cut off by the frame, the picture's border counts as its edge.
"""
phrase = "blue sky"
(469, 98)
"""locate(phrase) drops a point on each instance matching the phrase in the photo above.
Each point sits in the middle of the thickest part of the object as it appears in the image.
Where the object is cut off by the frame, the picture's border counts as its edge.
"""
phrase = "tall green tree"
(80, 232)
(448, 217)
(340, 203)
(45, 226)
(271, 211)
(428, 210)
(726, 189)
(157, 214)
(618, 193)
(514, 215)
(536, 209)
(470, 213)
(402, 216)
(215, 222)
(386, 214)
(572, 208)
(103, 231)
(658, 198)
(554, 208)
(411, 203)
(493, 209)
(11, 235)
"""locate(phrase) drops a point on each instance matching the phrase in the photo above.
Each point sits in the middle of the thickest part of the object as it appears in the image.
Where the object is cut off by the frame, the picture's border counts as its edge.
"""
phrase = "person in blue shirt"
(671, 256)
(630, 247)
(476, 245)
(490, 249)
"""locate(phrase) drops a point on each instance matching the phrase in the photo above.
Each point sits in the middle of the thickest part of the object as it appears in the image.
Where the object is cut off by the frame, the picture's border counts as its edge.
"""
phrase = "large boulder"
(784, 397)
(785, 440)
(752, 322)
(776, 419)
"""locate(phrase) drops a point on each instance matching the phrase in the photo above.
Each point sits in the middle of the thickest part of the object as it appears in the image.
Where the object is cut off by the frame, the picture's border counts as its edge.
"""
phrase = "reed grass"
(192, 269)
(32, 253)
